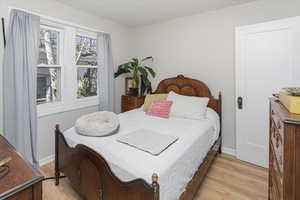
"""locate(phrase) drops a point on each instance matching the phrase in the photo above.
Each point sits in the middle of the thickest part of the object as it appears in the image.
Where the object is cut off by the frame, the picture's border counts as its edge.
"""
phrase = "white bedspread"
(175, 166)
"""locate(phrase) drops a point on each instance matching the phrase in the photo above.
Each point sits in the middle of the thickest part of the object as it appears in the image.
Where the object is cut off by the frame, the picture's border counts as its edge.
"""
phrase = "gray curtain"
(105, 72)
(19, 81)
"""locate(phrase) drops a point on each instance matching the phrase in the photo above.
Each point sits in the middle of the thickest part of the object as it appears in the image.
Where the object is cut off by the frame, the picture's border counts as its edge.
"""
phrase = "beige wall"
(46, 129)
(202, 47)
(121, 50)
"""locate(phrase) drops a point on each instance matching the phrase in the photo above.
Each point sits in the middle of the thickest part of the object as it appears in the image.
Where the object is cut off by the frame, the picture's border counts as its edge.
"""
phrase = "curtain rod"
(53, 19)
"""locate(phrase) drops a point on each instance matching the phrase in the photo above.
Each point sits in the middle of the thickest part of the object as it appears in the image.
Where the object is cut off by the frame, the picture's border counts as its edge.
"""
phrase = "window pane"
(87, 82)
(48, 84)
(49, 41)
(86, 51)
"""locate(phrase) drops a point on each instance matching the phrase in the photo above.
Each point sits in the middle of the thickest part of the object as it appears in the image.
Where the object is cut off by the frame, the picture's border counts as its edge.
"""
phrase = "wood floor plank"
(228, 179)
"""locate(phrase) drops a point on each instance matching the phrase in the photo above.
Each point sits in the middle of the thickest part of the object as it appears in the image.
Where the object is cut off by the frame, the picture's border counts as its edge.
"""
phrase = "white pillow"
(187, 106)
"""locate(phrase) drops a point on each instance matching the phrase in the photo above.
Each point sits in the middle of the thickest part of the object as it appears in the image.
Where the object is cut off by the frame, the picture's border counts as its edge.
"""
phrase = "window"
(49, 50)
(67, 73)
(48, 87)
(48, 72)
(87, 82)
(86, 51)
(86, 62)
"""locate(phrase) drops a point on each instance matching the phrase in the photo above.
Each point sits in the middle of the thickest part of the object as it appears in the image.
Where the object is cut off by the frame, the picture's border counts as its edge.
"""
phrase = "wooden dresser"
(132, 102)
(284, 164)
(22, 181)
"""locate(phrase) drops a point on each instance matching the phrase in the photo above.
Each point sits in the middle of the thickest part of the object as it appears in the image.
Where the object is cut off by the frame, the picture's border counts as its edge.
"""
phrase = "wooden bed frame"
(91, 176)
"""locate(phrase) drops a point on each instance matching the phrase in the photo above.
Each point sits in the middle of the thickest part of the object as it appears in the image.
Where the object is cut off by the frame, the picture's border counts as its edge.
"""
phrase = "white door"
(267, 59)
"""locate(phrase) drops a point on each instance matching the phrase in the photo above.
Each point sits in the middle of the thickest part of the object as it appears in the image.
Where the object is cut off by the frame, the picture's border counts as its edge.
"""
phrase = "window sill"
(60, 107)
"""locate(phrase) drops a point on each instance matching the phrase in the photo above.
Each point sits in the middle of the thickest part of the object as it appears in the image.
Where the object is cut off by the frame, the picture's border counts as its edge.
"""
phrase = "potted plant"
(140, 75)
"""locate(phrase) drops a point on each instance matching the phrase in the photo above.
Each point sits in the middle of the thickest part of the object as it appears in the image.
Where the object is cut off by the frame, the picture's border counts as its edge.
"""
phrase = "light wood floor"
(228, 179)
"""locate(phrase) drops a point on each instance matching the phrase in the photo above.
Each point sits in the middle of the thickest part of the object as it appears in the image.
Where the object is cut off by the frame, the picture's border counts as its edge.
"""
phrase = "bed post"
(155, 186)
(57, 173)
(220, 113)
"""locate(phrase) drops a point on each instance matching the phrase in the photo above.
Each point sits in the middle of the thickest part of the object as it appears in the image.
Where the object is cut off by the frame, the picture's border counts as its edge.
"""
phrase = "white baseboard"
(46, 160)
(229, 151)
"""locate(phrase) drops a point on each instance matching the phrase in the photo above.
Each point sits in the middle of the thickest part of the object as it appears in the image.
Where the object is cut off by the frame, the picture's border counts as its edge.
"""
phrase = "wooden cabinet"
(132, 102)
(22, 181)
(284, 163)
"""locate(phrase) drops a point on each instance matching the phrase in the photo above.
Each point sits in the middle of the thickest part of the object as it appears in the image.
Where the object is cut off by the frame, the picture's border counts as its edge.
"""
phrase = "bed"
(102, 168)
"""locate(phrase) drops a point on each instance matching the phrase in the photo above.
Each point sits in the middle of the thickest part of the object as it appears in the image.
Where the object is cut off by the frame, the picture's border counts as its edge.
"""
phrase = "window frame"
(48, 107)
(59, 81)
(68, 71)
(60, 44)
(92, 36)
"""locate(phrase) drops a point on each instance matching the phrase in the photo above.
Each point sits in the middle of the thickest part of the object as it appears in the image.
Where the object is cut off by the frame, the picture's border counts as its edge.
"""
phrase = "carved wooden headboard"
(190, 87)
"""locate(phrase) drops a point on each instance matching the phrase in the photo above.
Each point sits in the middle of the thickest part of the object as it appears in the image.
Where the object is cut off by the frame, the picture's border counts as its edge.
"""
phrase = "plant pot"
(134, 91)
(134, 83)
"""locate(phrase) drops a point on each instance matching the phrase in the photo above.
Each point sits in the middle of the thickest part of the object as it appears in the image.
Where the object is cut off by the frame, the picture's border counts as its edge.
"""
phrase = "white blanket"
(148, 141)
(175, 166)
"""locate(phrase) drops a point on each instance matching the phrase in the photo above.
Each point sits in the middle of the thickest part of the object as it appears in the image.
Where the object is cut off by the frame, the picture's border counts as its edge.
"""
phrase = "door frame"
(240, 33)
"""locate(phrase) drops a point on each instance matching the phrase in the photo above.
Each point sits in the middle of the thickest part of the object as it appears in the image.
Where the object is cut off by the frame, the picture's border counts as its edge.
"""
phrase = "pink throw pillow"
(160, 108)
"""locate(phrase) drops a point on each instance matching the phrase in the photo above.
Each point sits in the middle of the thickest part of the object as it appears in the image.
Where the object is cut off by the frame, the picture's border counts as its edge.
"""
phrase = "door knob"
(240, 102)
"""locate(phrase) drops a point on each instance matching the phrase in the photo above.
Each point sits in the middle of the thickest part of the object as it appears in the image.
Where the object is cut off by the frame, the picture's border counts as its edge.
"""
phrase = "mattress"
(175, 166)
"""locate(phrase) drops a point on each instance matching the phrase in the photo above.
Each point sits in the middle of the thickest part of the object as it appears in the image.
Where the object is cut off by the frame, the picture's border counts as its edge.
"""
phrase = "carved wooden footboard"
(93, 179)
(91, 176)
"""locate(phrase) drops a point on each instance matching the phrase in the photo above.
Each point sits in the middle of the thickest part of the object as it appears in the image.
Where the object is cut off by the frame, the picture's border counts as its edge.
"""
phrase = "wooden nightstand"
(131, 102)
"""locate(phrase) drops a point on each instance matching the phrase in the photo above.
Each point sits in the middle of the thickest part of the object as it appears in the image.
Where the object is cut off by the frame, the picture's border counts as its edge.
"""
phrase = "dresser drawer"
(23, 195)
(127, 107)
(133, 100)
(129, 100)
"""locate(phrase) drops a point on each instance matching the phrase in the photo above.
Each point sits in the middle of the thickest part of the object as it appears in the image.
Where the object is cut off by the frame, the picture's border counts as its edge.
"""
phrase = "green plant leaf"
(123, 69)
(151, 71)
(147, 58)
(145, 85)
(143, 71)
(135, 62)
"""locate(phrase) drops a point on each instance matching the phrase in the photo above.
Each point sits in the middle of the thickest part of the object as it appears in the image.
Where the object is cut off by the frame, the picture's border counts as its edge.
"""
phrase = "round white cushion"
(97, 124)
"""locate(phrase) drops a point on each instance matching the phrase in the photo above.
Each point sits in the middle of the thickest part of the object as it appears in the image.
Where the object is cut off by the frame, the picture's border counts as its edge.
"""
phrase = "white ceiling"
(143, 12)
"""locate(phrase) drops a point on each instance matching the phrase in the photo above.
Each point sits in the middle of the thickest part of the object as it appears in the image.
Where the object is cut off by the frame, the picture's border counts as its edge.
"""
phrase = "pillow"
(187, 106)
(160, 108)
(213, 116)
(97, 124)
(151, 97)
